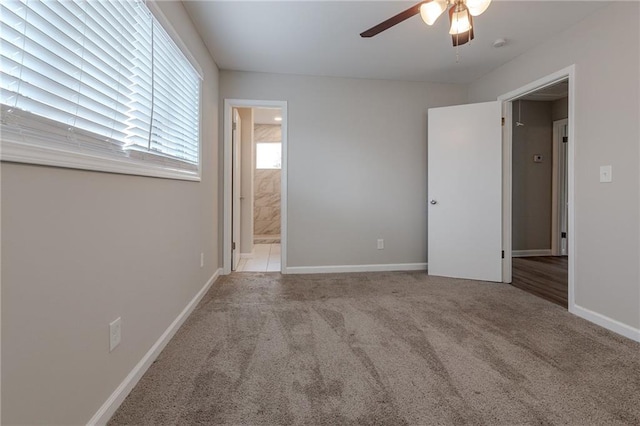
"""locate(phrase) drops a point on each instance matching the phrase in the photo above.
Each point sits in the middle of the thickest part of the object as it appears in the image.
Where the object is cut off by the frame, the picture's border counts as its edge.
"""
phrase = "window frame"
(268, 143)
(32, 151)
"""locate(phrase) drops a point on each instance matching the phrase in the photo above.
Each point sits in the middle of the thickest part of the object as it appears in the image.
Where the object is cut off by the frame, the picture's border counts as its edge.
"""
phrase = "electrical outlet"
(380, 244)
(115, 329)
(202, 260)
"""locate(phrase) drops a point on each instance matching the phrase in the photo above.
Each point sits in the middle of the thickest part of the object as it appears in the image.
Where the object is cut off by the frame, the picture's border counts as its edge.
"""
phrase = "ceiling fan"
(461, 13)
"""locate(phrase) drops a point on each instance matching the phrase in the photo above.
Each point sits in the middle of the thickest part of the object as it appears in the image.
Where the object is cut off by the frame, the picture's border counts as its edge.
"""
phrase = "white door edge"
(557, 192)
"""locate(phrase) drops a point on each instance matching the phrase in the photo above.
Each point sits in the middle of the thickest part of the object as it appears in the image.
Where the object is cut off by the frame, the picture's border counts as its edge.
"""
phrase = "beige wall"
(607, 132)
(267, 184)
(532, 181)
(266, 210)
(82, 248)
(560, 109)
(357, 167)
(247, 172)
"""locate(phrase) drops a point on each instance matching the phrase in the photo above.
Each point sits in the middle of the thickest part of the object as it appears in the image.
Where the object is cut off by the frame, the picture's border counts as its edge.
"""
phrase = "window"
(268, 155)
(98, 85)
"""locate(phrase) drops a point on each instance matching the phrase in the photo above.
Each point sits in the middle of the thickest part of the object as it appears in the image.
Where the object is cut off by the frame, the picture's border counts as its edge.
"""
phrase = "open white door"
(235, 191)
(465, 191)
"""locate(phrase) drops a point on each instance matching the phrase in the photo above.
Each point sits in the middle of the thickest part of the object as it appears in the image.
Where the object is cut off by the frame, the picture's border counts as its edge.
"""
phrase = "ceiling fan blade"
(394, 20)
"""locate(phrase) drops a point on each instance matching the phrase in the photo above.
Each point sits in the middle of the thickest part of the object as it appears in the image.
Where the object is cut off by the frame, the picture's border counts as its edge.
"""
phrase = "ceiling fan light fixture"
(461, 13)
(477, 7)
(460, 19)
(462, 38)
(431, 11)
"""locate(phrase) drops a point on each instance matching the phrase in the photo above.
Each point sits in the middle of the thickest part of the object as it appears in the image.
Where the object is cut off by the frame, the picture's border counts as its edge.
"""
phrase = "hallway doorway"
(540, 192)
(265, 258)
(254, 233)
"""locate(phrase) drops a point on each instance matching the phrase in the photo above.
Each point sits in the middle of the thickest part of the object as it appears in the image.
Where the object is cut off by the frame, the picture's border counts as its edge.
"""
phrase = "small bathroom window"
(268, 155)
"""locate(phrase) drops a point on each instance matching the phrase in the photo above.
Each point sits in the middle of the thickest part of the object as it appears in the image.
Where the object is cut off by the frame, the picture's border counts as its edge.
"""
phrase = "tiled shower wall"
(266, 204)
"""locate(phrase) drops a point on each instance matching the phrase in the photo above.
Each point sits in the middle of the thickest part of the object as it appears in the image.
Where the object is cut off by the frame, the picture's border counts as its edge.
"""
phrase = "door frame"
(559, 170)
(227, 232)
(236, 170)
(507, 171)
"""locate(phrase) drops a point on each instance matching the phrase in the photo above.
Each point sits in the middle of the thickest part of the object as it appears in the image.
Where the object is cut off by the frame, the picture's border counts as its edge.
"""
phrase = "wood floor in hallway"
(544, 276)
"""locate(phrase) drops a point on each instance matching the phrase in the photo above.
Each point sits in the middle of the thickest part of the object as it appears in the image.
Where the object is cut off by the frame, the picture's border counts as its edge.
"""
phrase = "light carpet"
(385, 349)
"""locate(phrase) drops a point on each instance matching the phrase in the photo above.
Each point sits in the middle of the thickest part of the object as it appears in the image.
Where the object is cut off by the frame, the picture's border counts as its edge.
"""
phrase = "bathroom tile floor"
(266, 258)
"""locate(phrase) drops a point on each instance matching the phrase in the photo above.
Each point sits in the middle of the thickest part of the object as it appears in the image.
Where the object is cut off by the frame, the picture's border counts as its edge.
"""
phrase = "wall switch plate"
(380, 244)
(115, 329)
(605, 174)
(202, 260)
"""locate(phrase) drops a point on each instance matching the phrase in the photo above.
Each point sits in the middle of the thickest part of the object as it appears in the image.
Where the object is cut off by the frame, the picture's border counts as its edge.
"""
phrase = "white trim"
(114, 401)
(506, 99)
(541, 83)
(606, 322)
(229, 104)
(559, 169)
(507, 207)
(46, 156)
(356, 268)
(530, 253)
(247, 255)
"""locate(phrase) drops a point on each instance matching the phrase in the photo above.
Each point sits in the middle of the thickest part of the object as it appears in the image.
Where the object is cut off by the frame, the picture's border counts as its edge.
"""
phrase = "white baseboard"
(110, 406)
(247, 255)
(528, 253)
(355, 268)
(606, 322)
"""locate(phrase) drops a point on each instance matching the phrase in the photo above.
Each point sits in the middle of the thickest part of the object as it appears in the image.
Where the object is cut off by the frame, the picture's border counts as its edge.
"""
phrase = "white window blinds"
(97, 77)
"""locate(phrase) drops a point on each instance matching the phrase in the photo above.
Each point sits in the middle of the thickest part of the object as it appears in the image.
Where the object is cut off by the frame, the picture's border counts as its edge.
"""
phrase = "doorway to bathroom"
(255, 186)
(264, 158)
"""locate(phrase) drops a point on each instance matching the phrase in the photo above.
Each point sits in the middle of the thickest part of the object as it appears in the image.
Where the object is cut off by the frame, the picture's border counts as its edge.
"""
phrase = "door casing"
(558, 190)
(236, 143)
(507, 132)
(227, 231)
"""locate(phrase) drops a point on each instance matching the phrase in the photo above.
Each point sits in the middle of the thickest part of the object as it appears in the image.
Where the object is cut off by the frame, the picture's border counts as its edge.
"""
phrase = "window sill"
(45, 156)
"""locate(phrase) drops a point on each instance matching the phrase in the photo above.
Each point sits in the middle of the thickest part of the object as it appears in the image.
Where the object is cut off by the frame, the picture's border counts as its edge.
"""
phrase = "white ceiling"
(322, 37)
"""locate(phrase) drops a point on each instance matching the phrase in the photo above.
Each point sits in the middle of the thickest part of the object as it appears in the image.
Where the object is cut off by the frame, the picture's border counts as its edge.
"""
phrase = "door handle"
(434, 202)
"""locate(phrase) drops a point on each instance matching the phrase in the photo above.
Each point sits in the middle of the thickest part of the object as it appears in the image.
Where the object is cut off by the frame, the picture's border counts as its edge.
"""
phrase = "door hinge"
(503, 121)
(233, 246)
(233, 126)
(503, 254)
(565, 139)
(563, 235)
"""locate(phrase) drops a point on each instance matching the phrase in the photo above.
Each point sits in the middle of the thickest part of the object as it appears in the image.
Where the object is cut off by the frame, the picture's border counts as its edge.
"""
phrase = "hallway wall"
(532, 181)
